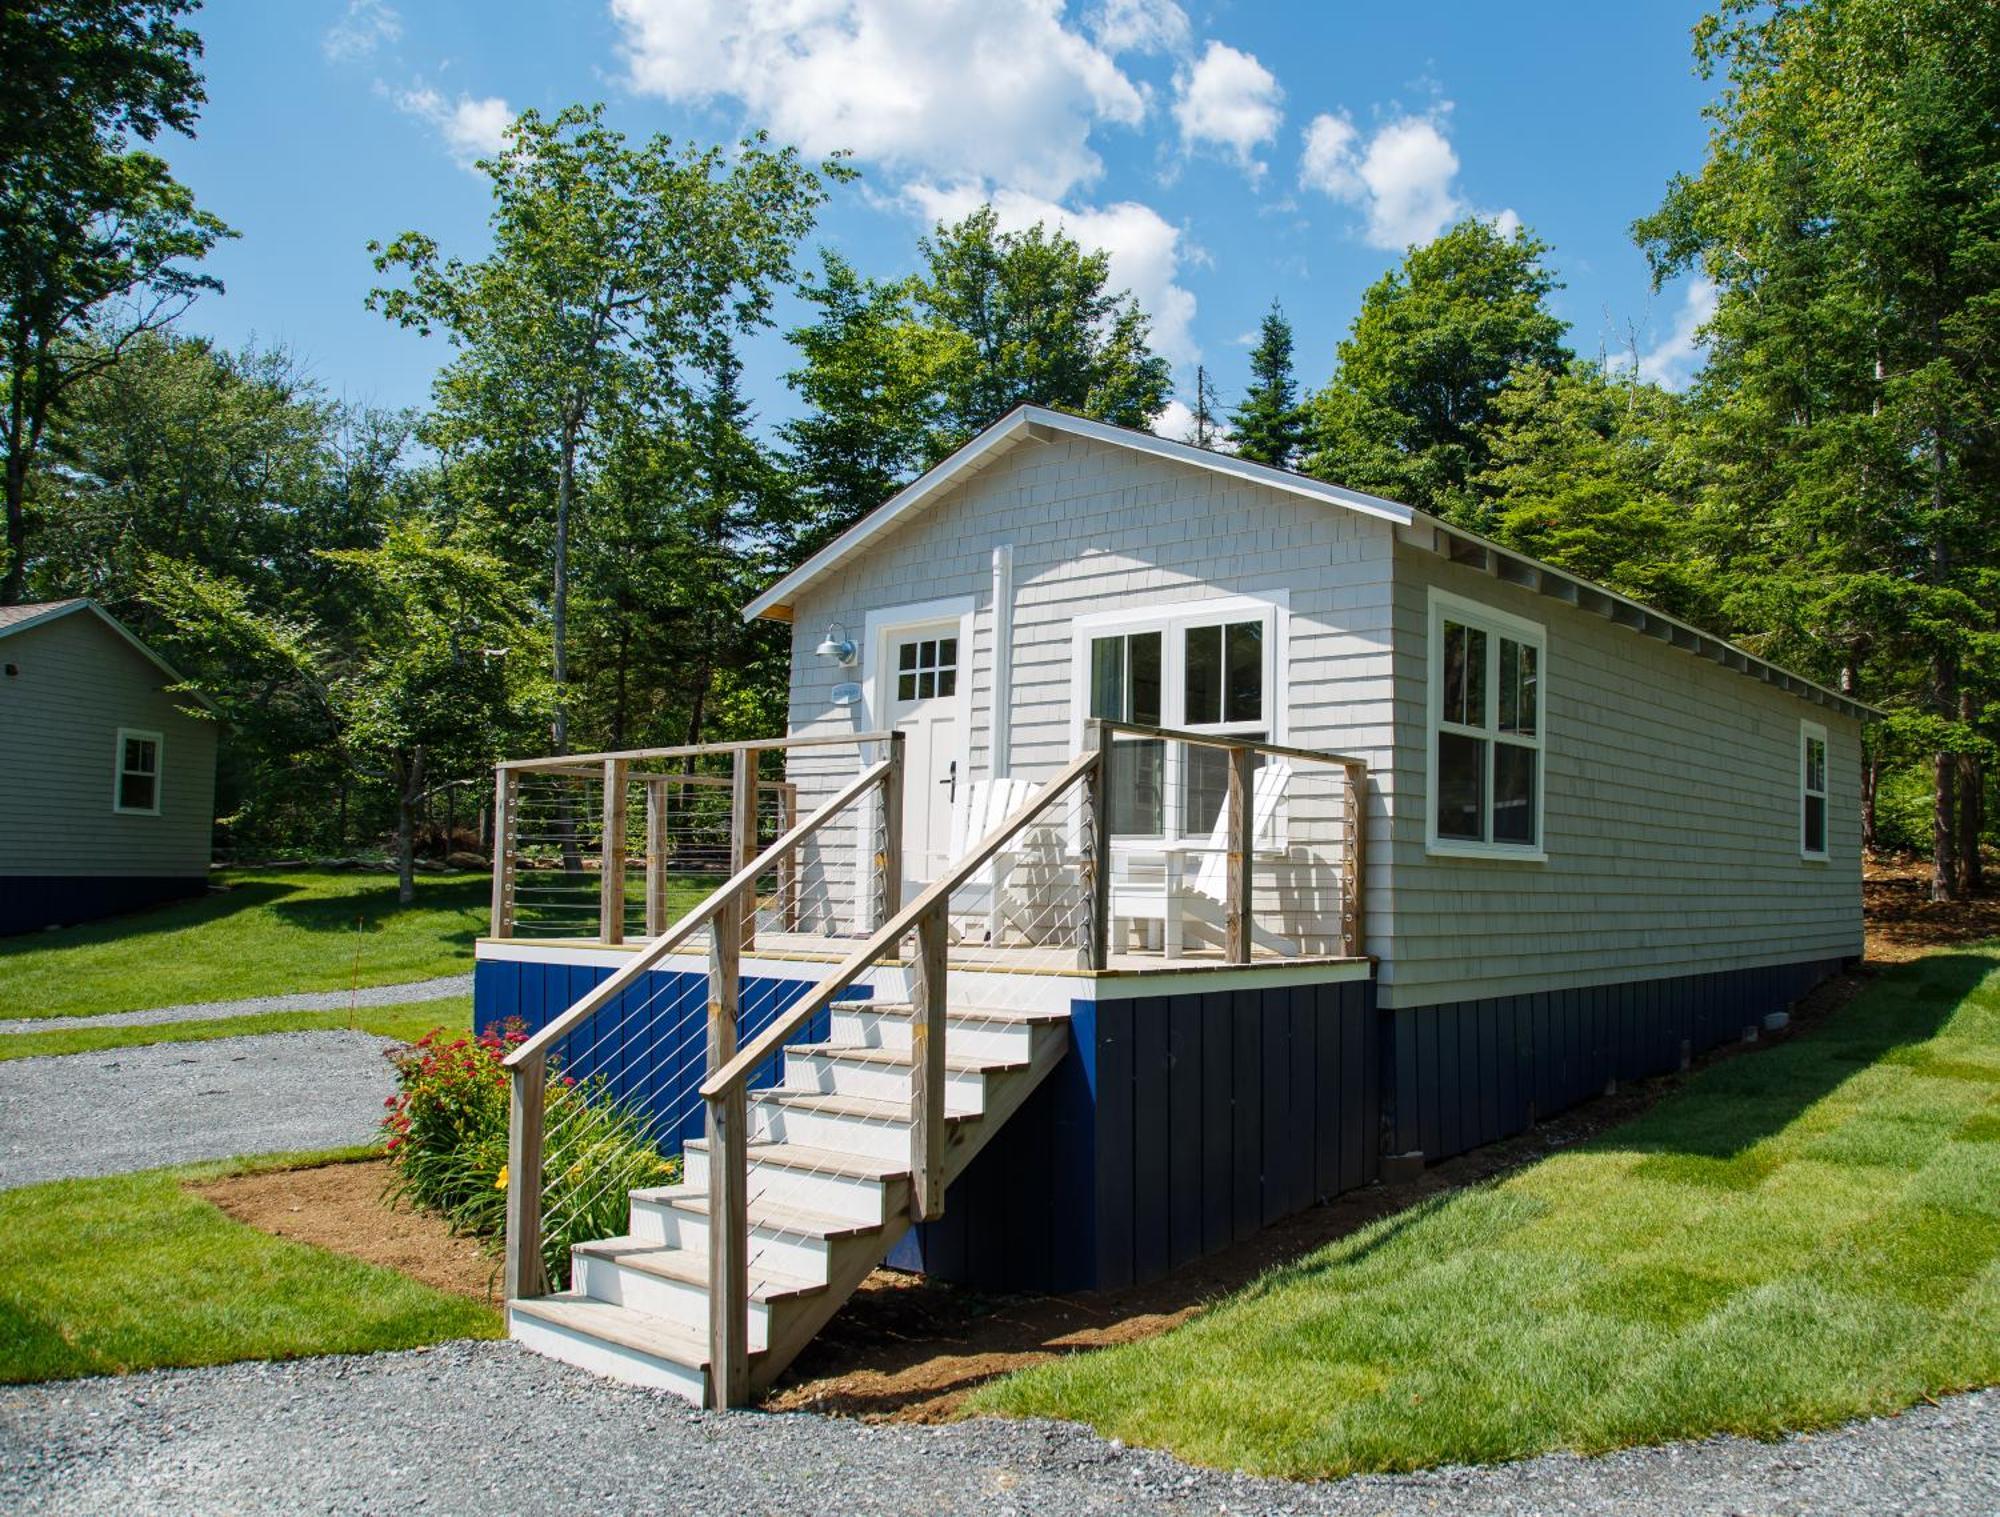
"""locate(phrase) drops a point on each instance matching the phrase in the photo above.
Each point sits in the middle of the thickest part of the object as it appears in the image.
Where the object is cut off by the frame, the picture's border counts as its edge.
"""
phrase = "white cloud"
(1403, 178)
(1145, 249)
(1228, 100)
(994, 90)
(472, 127)
(1140, 26)
(1674, 358)
(1173, 421)
(367, 25)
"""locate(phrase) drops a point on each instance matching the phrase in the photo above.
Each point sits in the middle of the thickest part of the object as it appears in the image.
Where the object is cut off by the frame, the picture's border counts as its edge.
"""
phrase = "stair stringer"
(798, 1323)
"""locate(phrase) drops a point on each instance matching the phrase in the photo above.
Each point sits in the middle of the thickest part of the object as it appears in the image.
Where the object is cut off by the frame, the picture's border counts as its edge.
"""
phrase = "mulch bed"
(906, 1348)
(342, 1207)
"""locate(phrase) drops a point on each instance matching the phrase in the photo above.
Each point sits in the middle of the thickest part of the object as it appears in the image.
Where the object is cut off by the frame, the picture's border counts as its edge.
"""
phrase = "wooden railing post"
(656, 856)
(1095, 949)
(728, 1177)
(889, 862)
(506, 799)
(1236, 907)
(1354, 909)
(524, 1178)
(611, 860)
(788, 866)
(928, 1008)
(743, 831)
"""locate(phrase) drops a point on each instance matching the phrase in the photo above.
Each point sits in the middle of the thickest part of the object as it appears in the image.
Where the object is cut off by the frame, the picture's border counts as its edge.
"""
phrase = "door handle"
(951, 779)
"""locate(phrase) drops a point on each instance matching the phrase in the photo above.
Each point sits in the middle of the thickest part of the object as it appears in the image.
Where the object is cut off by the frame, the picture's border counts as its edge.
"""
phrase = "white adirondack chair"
(983, 805)
(1166, 894)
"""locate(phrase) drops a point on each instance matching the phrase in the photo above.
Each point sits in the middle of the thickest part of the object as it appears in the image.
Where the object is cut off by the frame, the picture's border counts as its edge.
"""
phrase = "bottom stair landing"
(828, 1197)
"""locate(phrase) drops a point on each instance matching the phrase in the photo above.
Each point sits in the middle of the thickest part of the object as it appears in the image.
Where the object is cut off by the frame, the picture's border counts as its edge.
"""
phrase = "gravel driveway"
(168, 1103)
(489, 1428)
(407, 993)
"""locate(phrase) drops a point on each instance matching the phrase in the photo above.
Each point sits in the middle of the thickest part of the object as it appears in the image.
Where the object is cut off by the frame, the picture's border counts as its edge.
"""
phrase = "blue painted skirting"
(1473, 1072)
(30, 902)
(650, 1044)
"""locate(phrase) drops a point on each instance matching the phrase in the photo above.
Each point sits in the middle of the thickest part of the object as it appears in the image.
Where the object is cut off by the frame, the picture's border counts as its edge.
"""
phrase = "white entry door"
(924, 706)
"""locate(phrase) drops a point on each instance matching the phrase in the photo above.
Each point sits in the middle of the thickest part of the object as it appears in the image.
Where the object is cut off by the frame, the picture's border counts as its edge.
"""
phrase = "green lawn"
(404, 1023)
(1798, 1237)
(134, 1273)
(266, 932)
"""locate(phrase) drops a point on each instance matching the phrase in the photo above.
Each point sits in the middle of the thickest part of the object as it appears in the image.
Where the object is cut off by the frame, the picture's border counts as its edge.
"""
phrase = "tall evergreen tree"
(1849, 215)
(1268, 425)
(1408, 411)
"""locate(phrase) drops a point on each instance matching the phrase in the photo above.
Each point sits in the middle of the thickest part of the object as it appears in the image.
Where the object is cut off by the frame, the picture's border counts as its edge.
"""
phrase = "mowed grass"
(263, 933)
(1798, 1237)
(406, 1024)
(135, 1273)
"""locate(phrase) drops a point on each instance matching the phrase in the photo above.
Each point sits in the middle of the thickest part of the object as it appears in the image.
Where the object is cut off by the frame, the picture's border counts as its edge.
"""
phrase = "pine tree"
(1269, 425)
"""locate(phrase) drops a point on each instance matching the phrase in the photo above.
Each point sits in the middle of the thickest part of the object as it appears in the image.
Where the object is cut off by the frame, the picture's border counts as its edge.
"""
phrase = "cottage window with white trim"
(1487, 705)
(1812, 790)
(136, 784)
(1205, 669)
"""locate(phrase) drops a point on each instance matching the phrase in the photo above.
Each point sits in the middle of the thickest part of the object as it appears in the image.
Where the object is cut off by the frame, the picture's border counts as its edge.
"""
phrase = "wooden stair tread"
(621, 1325)
(773, 1216)
(821, 1161)
(1006, 1014)
(958, 1064)
(691, 1268)
(863, 1107)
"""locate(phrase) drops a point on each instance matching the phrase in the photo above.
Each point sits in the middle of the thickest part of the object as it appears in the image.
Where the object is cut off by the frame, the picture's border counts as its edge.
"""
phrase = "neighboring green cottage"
(107, 785)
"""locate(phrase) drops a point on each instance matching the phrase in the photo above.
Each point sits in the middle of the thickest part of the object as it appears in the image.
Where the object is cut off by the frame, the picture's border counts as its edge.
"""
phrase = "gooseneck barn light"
(839, 648)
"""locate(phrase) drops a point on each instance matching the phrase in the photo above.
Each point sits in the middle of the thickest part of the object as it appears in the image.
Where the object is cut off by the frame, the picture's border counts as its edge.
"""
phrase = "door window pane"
(1142, 678)
(1137, 781)
(1202, 680)
(1461, 769)
(1107, 678)
(1464, 675)
(1244, 673)
(1513, 793)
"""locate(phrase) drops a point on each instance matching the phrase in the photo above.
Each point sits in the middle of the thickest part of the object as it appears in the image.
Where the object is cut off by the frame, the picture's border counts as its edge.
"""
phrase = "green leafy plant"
(445, 1134)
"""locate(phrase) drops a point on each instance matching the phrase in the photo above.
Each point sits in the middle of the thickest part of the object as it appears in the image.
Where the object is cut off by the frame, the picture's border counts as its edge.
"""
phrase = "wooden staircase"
(829, 1193)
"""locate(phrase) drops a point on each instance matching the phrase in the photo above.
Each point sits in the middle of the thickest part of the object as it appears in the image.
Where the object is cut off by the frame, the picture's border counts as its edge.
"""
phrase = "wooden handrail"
(697, 750)
(795, 1016)
(1229, 740)
(694, 921)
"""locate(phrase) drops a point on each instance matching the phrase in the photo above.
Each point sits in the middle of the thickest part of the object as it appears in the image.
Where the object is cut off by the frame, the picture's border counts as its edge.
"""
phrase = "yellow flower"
(501, 1183)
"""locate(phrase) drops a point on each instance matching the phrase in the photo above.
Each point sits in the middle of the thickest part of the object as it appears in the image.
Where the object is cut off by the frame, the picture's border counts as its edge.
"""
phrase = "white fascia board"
(1690, 639)
(1038, 421)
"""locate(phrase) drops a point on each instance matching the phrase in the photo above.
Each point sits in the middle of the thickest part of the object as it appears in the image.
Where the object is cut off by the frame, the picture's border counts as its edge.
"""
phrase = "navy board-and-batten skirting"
(1182, 1123)
(31, 902)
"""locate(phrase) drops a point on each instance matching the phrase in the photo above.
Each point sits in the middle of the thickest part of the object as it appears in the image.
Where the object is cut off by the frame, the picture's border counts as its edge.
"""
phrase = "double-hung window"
(1207, 667)
(1812, 790)
(1487, 730)
(136, 780)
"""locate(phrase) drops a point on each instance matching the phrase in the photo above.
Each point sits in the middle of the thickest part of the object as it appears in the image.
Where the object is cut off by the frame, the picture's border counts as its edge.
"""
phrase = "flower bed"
(446, 1140)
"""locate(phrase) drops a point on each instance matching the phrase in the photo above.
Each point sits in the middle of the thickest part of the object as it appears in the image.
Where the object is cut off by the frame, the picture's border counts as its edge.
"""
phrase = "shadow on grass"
(374, 902)
(1711, 1132)
(167, 916)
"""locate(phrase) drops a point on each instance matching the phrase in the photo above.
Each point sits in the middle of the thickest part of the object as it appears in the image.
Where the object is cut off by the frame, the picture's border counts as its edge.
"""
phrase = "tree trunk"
(559, 605)
(1944, 828)
(1944, 691)
(1871, 774)
(1971, 807)
(409, 795)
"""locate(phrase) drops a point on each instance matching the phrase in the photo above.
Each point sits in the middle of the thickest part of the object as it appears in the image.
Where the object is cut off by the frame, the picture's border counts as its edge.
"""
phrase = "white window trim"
(1521, 630)
(1808, 732)
(1171, 620)
(159, 743)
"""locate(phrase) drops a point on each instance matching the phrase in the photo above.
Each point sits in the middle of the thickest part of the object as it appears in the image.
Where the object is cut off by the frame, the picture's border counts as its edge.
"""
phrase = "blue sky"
(1223, 154)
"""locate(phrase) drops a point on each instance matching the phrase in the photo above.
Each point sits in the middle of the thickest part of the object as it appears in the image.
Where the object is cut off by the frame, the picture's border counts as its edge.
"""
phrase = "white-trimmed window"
(136, 780)
(1488, 727)
(1812, 790)
(1209, 666)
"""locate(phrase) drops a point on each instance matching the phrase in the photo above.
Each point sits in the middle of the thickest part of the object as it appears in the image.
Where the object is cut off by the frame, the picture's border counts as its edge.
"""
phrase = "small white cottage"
(1247, 839)
(107, 784)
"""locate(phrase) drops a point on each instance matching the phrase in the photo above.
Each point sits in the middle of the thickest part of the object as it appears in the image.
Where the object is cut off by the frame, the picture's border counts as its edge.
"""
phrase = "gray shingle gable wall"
(79, 682)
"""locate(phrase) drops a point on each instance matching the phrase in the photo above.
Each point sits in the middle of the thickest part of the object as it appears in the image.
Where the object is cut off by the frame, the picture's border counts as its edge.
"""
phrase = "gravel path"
(490, 1428)
(256, 1006)
(168, 1103)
